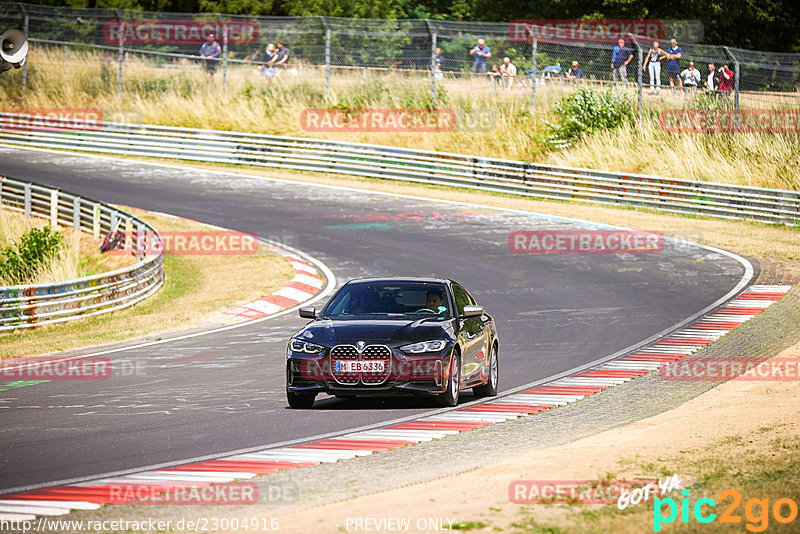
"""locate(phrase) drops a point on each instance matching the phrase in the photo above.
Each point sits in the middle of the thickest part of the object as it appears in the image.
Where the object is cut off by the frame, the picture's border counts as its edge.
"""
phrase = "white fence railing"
(395, 163)
(34, 304)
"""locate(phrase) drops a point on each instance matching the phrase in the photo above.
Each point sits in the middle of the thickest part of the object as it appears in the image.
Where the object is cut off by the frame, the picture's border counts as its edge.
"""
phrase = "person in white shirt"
(690, 76)
(508, 72)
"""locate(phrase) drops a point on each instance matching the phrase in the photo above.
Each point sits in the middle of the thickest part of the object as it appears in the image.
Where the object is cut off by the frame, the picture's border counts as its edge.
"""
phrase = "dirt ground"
(480, 498)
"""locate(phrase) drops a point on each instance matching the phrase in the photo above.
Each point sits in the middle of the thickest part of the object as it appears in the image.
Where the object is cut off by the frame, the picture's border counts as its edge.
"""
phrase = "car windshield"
(390, 299)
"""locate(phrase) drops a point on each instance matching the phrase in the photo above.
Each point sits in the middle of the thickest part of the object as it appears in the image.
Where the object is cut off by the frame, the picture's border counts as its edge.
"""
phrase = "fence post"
(735, 87)
(121, 50)
(25, 24)
(533, 68)
(54, 207)
(639, 72)
(96, 221)
(327, 57)
(76, 214)
(27, 202)
(432, 61)
(224, 51)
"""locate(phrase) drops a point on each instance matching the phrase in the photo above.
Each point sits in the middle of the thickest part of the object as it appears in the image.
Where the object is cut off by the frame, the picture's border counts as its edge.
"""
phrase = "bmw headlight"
(434, 345)
(298, 345)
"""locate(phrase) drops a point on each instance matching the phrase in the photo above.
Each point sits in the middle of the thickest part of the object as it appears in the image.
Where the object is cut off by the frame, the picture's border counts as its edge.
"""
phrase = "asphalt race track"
(225, 391)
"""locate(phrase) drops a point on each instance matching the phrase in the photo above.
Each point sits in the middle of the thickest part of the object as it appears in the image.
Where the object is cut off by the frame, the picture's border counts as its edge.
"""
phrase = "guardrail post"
(54, 208)
(128, 233)
(327, 57)
(121, 50)
(224, 51)
(140, 237)
(113, 217)
(2, 179)
(27, 205)
(25, 24)
(96, 221)
(76, 214)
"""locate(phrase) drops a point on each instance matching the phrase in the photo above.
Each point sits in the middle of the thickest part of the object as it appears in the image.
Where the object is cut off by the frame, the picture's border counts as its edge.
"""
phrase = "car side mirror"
(308, 313)
(471, 310)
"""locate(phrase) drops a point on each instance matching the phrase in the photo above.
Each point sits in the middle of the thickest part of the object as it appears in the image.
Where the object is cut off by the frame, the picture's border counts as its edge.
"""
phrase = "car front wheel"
(450, 395)
(300, 401)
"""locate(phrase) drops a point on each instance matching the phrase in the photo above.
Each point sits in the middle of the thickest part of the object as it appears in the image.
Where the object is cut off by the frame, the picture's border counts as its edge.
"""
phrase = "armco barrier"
(457, 170)
(30, 305)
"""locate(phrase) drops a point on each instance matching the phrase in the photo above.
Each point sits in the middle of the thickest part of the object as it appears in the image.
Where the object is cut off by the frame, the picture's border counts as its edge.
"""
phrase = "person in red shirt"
(725, 80)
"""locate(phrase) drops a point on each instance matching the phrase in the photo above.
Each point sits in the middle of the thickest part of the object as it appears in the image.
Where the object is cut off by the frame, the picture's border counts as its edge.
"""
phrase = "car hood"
(392, 331)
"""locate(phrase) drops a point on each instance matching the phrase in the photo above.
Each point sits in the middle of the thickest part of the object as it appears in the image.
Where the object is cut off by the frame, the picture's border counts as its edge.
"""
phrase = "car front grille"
(345, 353)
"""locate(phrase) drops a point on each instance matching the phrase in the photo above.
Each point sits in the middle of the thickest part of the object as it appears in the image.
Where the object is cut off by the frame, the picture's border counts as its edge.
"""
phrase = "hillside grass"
(183, 95)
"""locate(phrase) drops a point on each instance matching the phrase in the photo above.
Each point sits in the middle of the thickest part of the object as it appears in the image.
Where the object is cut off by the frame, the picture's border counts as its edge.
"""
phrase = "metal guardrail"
(35, 304)
(395, 163)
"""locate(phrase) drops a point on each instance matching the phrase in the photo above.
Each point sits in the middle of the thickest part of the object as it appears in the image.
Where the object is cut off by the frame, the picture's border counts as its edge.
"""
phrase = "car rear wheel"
(450, 395)
(489, 389)
(300, 401)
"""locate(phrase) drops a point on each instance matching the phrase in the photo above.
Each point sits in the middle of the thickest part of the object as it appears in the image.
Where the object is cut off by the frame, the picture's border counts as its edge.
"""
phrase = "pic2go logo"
(756, 511)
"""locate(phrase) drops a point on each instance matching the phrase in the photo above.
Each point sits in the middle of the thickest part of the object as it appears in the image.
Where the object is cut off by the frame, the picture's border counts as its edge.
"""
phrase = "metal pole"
(327, 63)
(224, 50)
(121, 51)
(735, 87)
(25, 22)
(432, 62)
(533, 70)
(640, 75)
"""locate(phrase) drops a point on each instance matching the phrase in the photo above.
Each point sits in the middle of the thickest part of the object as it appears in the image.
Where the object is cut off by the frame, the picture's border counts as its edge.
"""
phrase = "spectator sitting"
(265, 67)
(494, 75)
(209, 53)
(674, 53)
(620, 57)
(482, 54)
(575, 72)
(254, 55)
(281, 59)
(652, 65)
(508, 72)
(690, 77)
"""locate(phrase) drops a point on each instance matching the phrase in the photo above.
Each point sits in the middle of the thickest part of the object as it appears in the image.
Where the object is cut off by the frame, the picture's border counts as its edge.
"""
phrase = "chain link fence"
(338, 53)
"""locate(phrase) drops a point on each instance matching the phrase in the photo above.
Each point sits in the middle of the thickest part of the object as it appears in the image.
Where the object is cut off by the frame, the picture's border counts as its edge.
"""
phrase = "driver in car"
(433, 301)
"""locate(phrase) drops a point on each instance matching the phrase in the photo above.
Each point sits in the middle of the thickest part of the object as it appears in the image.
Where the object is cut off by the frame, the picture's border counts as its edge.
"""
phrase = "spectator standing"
(209, 53)
(508, 71)
(652, 65)
(438, 58)
(575, 72)
(482, 54)
(725, 80)
(712, 80)
(690, 77)
(620, 57)
(674, 53)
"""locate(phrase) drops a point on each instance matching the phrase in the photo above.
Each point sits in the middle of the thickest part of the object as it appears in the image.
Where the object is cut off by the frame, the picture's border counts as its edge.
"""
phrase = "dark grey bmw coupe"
(394, 336)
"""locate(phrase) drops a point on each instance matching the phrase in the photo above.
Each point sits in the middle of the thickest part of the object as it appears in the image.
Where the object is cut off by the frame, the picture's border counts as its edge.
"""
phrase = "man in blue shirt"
(674, 53)
(620, 57)
(209, 53)
(482, 55)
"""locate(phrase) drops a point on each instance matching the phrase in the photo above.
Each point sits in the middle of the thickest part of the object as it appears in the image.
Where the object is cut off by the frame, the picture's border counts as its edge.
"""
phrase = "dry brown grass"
(78, 254)
(185, 96)
(195, 288)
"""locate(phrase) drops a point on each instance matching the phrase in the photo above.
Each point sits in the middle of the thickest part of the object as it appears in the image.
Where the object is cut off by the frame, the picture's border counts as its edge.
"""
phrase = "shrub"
(586, 111)
(36, 247)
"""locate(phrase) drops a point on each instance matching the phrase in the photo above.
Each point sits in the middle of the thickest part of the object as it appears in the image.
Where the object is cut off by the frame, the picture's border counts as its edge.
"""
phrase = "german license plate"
(364, 366)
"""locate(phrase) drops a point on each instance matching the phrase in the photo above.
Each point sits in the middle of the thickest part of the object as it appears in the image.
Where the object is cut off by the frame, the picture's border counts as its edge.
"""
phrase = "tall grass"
(78, 253)
(181, 94)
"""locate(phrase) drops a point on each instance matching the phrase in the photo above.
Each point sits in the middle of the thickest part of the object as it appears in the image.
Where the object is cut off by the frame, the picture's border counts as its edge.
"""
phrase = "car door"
(471, 335)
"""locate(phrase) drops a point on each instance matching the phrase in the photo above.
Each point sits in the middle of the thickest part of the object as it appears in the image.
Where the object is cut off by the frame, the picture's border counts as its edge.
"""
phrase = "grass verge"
(194, 288)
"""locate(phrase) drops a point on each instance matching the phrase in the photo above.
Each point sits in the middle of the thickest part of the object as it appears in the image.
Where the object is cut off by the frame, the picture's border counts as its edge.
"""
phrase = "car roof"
(401, 279)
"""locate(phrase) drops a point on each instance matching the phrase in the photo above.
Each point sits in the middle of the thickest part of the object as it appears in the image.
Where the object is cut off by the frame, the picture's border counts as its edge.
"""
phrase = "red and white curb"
(306, 283)
(91, 495)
